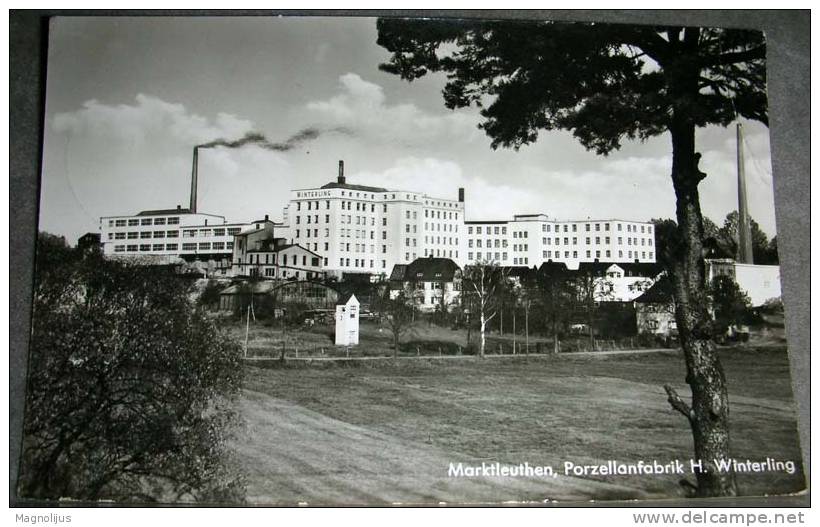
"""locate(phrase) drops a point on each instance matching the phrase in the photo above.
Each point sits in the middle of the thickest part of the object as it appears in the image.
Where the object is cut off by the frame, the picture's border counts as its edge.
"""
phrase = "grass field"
(386, 433)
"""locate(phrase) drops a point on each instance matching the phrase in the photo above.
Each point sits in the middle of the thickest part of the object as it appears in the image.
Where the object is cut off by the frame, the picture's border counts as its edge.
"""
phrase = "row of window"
(556, 254)
(441, 239)
(144, 221)
(496, 229)
(272, 258)
(207, 233)
(360, 263)
(588, 240)
(133, 235)
(147, 247)
(442, 253)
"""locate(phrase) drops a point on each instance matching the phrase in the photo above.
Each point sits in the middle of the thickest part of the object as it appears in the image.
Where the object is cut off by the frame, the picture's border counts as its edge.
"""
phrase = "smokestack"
(341, 172)
(194, 180)
(744, 231)
(461, 195)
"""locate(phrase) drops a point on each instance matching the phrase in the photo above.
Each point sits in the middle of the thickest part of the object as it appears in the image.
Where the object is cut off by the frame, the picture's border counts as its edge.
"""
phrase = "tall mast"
(744, 232)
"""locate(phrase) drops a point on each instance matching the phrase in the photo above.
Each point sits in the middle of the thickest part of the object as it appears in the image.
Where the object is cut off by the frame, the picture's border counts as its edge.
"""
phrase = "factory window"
(132, 248)
(575, 254)
(384, 222)
(574, 228)
(219, 246)
(171, 247)
(229, 246)
(146, 247)
(597, 240)
(158, 246)
(606, 226)
(620, 254)
(566, 241)
(172, 234)
(110, 235)
(589, 254)
(146, 234)
(327, 204)
(619, 226)
(565, 228)
(384, 249)
(219, 232)
(299, 204)
(608, 253)
(606, 240)
(119, 236)
(159, 234)
(110, 223)
(159, 221)
(642, 228)
(574, 241)
(566, 254)
(650, 254)
(188, 233)
(120, 223)
(173, 221)
(234, 230)
(597, 254)
(146, 221)
(119, 248)
(205, 246)
(132, 223)
(469, 229)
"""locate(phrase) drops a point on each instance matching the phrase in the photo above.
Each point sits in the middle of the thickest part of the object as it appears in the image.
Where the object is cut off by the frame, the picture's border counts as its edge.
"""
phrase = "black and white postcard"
(314, 260)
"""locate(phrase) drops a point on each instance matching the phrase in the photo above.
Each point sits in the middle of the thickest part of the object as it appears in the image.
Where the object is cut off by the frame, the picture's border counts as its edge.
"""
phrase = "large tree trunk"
(709, 412)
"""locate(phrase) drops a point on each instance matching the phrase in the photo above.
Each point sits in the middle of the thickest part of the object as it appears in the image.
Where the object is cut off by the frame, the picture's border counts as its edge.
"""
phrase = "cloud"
(119, 159)
(150, 117)
(362, 106)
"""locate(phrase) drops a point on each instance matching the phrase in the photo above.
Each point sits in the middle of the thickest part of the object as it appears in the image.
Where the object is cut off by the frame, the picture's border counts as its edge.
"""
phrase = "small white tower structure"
(347, 321)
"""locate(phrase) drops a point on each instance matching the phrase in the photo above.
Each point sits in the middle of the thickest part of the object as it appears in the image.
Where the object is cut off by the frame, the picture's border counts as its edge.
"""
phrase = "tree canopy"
(130, 386)
(604, 82)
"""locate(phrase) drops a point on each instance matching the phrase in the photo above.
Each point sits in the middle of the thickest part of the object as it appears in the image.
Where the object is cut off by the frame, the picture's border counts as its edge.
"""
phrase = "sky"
(128, 98)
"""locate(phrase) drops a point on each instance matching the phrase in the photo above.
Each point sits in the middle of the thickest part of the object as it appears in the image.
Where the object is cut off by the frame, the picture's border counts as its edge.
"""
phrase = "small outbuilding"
(347, 321)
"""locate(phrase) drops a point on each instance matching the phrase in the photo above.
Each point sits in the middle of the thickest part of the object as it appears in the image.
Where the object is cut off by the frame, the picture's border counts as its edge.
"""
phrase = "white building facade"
(531, 239)
(362, 229)
(170, 235)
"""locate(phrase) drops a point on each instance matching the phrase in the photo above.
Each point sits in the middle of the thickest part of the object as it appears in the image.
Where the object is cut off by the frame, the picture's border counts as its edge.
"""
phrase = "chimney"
(179, 207)
(266, 217)
(194, 180)
(461, 195)
(341, 172)
(744, 231)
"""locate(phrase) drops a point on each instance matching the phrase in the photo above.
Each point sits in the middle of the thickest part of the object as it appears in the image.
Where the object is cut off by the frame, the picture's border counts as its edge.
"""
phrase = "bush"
(130, 388)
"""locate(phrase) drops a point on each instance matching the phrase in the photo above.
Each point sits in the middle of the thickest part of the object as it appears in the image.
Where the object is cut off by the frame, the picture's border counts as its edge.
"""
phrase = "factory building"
(170, 236)
(532, 239)
(364, 229)
(258, 252)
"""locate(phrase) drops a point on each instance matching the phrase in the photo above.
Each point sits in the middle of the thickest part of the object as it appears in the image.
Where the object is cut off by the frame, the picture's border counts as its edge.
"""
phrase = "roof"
(553, 268)
(161, 212)
(642, 269)
(365, 188)
(278, 248)
(488, 222)
(344, 299)
(258, 288)
(661, 292)
(426, 270)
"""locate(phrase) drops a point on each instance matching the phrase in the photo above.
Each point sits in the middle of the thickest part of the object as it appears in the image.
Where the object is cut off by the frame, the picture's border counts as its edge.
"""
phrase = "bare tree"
(483, 280)
(399, 316)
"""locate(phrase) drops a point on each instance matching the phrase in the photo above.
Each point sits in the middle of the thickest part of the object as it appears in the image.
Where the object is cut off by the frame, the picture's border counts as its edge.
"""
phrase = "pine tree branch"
(678, 403)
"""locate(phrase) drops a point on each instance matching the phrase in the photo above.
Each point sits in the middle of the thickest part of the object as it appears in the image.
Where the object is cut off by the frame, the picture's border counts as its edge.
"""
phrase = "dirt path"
(293, 455)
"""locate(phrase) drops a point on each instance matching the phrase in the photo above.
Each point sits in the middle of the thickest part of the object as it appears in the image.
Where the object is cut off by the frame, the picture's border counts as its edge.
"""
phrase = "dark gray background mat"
(789, 44)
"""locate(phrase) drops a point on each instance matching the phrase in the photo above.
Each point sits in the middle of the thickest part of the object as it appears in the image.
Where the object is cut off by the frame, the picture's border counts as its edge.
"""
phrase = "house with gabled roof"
(433, 283)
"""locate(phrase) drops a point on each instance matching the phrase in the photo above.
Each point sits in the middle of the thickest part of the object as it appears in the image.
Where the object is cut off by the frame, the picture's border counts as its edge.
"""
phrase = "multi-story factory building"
(531, 239)
(166, 236)
(363, 229)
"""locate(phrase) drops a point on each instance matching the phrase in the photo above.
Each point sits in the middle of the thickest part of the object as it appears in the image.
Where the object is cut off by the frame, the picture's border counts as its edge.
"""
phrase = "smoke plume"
(258, 139)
